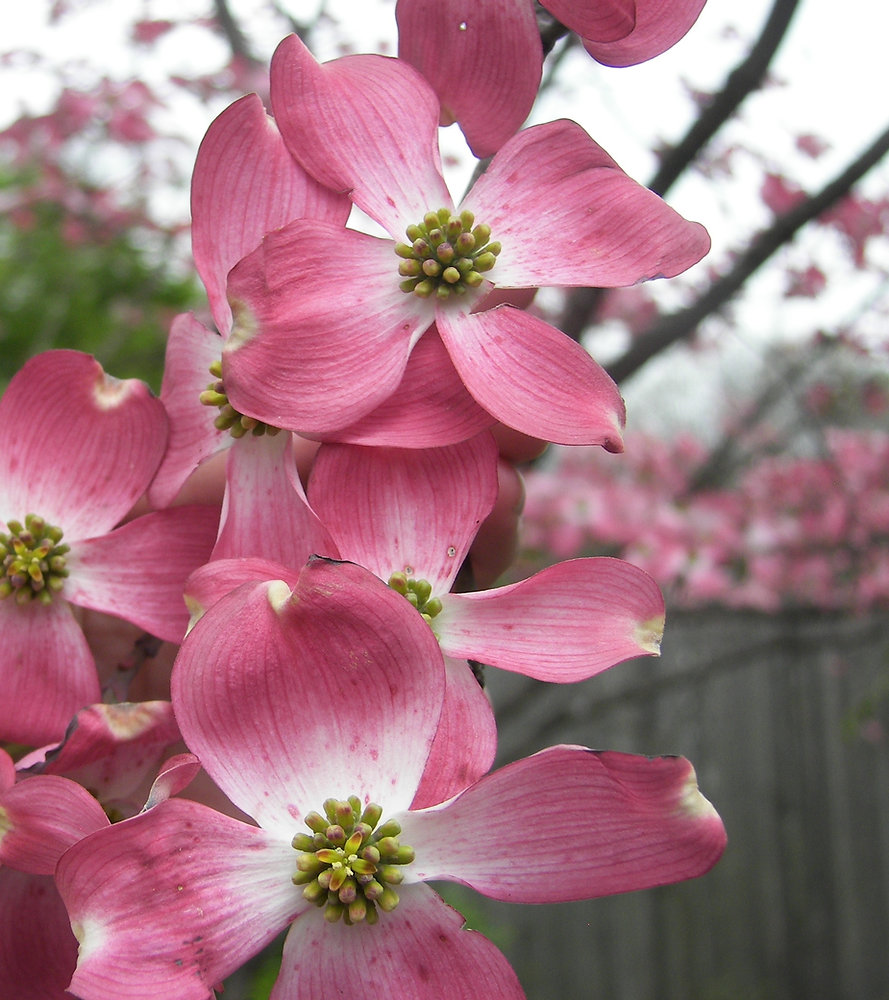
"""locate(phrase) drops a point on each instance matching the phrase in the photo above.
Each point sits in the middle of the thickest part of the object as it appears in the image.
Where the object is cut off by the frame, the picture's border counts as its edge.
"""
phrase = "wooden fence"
(781, 717)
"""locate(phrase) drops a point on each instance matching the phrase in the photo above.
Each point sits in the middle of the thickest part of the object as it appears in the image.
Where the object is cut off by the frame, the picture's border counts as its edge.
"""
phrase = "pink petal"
(565, 623)
(607, 20)
(533, 378)
(47, 671)
(77, 446)
(287, 701)
(244, 185)
(430, 407)
(566, 214)
(174, 777)
(41, 818)
(212, 581)
(659, 25)
(365, 124)
(38, 952)
(570, 823)
(7, 771)
(293, 361)
(138, 571)
(265, 512)
(369, 498)
(419, 951)
(191, 349)
(465, 742)
(482, 59)
(114, 750)
(168, 903)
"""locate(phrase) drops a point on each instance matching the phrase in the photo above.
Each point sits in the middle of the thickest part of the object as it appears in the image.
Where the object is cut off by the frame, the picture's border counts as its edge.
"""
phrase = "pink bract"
(335, 690)
(245, 184)
(38, 952)
(40, 818)
(484, 60)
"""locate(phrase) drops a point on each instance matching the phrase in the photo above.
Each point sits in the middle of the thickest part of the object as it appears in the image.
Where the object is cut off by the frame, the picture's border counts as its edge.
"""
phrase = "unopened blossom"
(326, 318)
(484, 60)
(315, 711)
(77, 449)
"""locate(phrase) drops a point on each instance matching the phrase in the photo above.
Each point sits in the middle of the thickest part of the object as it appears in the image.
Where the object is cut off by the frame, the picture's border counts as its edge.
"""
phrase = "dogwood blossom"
(566, 623)
(77, 449)
(40, 817)
(315, 711)
(325, 318)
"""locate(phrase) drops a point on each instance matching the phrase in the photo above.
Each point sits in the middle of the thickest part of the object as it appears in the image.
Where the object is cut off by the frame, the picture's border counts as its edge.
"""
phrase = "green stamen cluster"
(32, 560)
(447, 255)
(229, 419)
(418, 592)
(348, 864)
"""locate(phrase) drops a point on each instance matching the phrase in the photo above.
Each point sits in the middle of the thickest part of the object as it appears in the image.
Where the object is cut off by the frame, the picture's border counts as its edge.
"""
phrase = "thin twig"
(679, 325)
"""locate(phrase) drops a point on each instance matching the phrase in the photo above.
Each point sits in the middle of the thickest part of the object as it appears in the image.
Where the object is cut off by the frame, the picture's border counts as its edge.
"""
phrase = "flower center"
(447, 255)
(418, 592)
(230, 419)
(348, 863)
(32, 561)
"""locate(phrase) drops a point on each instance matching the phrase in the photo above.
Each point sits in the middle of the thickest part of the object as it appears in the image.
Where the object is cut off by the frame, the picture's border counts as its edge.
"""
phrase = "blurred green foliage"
(64, 283)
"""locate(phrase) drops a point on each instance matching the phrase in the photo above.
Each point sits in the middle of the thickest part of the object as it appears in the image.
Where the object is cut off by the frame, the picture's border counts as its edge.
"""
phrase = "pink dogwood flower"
(77, 449)
(315, 711)
(454, 486)
(43, 814)
(326, 318)
(484, 60)
(246, 184)
(566, 623)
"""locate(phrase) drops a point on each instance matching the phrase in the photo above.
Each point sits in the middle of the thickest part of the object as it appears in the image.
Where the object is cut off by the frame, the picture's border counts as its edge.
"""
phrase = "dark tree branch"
(232, 31)
(550, 29)
(669, 329)
(302, 29)
(735, 452)
(745, 78)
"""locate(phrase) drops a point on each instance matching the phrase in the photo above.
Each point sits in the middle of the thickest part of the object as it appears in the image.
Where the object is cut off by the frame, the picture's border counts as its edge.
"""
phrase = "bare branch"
(232, 31)
(745, 78)
(668, 329)
(551, 30)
